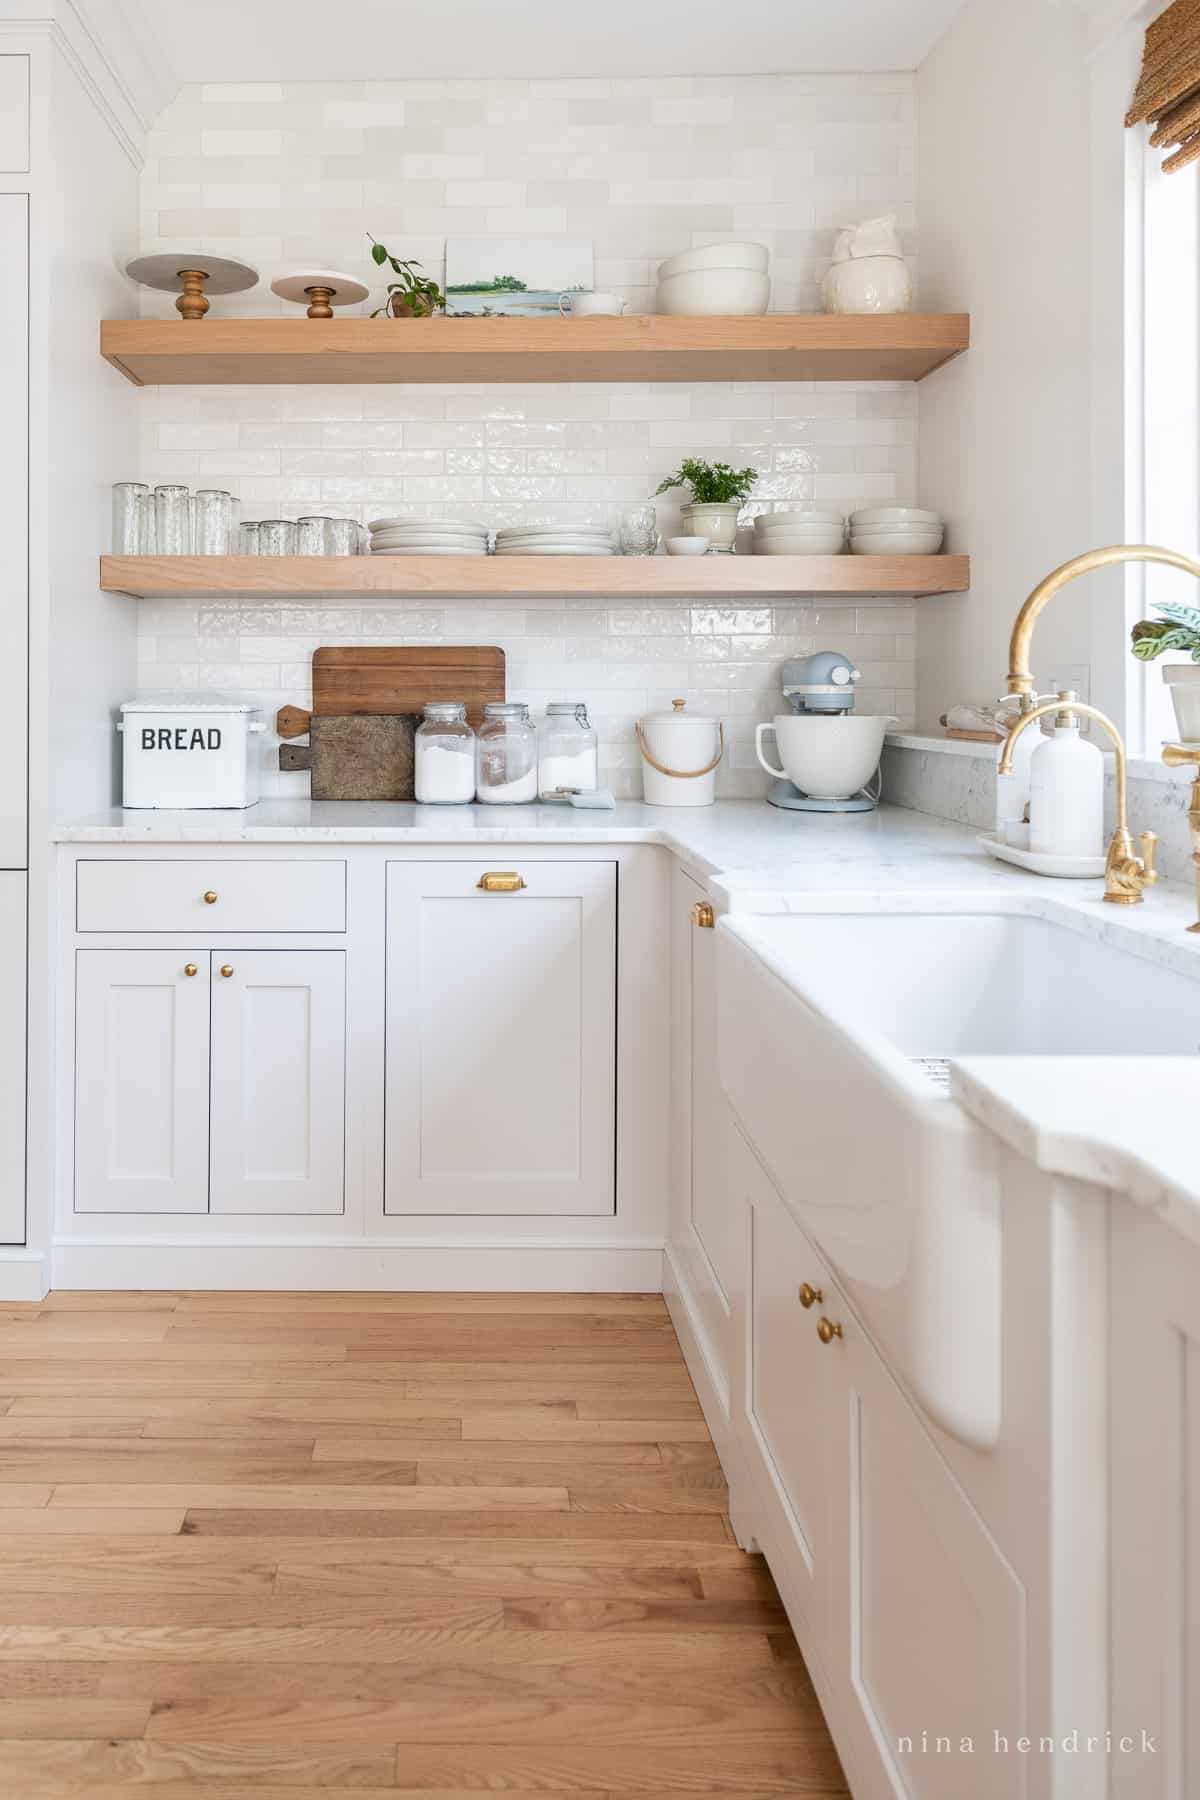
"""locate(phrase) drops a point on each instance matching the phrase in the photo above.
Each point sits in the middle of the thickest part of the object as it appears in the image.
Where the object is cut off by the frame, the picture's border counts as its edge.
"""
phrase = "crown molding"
(109, 49)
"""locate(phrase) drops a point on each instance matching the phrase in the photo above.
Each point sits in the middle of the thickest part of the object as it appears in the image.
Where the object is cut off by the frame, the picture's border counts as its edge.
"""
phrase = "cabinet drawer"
(174, 896)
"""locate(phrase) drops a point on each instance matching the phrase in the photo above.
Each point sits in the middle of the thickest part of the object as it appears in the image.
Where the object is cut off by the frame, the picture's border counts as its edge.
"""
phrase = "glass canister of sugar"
(567, 756)
(444, 755)
(506, 772)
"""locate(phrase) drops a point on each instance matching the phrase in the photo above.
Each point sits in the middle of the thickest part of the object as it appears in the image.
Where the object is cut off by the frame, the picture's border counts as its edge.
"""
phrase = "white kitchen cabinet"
(141, 1081)
(181, 1070)
(1154, 1431)
(14, 470)
(501, 1038)
(13, 1014)
(278, 1116)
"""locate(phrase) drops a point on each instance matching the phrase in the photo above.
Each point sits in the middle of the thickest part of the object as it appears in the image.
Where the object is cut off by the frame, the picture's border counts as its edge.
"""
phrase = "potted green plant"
(717, 494)
(1177, 629)
(413, 295)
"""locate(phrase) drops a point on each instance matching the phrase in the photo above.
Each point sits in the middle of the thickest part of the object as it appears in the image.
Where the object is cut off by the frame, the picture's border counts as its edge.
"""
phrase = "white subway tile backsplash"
(278, 174)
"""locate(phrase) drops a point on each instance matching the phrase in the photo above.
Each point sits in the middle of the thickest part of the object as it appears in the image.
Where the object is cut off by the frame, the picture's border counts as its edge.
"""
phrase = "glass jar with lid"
(506, 768)
(444, 755)
(567, 756)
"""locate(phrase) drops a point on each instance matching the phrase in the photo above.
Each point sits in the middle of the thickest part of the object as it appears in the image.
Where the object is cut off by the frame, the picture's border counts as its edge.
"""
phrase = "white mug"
(594, 306)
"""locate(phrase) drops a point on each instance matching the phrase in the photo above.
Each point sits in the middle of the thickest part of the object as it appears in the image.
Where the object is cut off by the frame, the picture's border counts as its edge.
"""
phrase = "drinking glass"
(146, 527)
(277, 537)
(125, 497)
(248, 537)
(172, 520)
(342, 536)
(639, 531)
(312, 536)
(213, 509)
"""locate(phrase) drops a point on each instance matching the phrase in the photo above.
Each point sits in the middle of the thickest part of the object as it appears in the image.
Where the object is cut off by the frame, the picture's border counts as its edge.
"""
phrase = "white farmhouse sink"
(827, 1024)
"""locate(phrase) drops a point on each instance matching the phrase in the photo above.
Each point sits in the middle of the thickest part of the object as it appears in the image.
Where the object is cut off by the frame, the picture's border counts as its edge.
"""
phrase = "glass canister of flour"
(444, 755)
(567, 756)
(506, 764)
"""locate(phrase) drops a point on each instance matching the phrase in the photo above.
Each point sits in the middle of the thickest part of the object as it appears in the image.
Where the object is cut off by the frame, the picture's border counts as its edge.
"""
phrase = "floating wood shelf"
(572, 577)
(773, 347)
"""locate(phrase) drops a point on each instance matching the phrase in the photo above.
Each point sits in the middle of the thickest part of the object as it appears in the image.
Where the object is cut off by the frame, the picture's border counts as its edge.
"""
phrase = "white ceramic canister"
(680, 753)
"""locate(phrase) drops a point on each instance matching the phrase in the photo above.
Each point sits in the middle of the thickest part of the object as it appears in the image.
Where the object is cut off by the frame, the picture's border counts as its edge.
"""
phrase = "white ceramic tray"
(1064, 868)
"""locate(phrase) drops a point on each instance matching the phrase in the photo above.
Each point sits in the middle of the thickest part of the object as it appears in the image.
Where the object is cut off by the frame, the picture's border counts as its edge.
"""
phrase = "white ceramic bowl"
(818, 528)
(406, 524)
(714, 291)
(716, 256)
(799, 515)
(784, 544)
(873, 543)
(687, 546)
(828, 759)
(894, 515)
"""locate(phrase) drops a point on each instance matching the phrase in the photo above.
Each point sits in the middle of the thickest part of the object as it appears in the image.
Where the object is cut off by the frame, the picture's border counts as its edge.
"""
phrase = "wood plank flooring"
(344, 1546)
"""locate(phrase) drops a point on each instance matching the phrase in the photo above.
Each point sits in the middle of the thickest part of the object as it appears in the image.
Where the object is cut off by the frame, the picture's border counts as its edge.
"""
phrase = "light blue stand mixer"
(820, 688)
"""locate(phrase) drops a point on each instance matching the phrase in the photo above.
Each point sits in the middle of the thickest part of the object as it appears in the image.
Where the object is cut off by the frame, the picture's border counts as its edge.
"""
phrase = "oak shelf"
(649, 347)
(572, 577)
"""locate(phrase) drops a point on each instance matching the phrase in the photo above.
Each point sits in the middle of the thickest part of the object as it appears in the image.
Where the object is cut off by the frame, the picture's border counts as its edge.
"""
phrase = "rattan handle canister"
(681, 774)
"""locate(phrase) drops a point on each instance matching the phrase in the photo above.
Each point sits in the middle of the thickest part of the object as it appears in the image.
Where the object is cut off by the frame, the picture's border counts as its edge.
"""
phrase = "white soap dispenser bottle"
(1066, 790)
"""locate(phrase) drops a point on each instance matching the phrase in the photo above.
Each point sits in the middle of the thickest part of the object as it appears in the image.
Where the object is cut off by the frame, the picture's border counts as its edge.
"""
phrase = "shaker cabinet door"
(13, 1010)
(501, 1038)
(141, 1081)
(14, 499)
(278, 1081)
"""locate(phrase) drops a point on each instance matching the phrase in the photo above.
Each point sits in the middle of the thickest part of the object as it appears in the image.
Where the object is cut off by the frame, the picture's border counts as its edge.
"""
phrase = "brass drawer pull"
(210, 899)
(809, 1296)
(189, 968)
(227, 970)
(703, 916)
(827, 1330)
(501, 881)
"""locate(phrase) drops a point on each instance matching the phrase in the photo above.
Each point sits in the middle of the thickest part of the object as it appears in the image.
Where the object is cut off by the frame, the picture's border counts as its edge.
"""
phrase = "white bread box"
(190, 750)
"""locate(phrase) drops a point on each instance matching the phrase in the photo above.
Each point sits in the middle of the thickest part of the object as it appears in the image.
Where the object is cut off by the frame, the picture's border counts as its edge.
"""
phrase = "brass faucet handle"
(1149, 842)
(1177, 755)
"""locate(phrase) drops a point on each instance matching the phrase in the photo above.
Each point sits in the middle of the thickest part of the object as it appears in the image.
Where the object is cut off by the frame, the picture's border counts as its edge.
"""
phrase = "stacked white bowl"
(717, 278)
(895, 531)
(802, 531)
(554, 540)
(427, 537)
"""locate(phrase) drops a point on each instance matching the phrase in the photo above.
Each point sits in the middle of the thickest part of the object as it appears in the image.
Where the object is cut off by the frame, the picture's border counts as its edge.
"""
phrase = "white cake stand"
(323, 289)
(197, 271)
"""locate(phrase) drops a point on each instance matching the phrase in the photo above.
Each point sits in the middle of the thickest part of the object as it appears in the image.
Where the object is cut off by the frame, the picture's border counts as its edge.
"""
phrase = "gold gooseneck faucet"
(1126, 874)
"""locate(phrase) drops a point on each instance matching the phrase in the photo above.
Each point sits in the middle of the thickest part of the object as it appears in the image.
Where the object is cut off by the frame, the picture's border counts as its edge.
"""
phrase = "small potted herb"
(413, 295)
(1177, 629)
(717, 495)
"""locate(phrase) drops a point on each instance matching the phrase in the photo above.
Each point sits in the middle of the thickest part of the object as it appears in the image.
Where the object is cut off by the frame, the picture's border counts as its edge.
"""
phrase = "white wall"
(1006, 433)
(281, 175)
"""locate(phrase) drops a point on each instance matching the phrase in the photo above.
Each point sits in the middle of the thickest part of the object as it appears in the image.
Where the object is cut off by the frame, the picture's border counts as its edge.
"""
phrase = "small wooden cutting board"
(386, 679)
(357, 758)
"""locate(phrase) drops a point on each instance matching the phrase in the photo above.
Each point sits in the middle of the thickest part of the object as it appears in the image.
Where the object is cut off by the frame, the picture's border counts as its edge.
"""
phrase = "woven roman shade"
(1168, 90)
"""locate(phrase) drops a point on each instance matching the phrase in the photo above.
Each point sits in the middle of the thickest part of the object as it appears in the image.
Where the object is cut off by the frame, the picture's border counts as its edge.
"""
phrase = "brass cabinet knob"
(189, 968)
(827, 1330)
(703, 916)
(809, 1295)
(210, 899)
(501, 881)
(227, 970)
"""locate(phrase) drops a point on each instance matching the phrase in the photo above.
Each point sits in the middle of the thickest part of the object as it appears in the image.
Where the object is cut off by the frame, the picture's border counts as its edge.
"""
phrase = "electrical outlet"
(1075, 676)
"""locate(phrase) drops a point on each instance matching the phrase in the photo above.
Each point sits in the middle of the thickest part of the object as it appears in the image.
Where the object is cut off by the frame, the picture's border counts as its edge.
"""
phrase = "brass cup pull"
(189, 968)
(501, 881)
(703, 915)
(210, 899)
(227, 970)
(827, 1330)
(809, 1296)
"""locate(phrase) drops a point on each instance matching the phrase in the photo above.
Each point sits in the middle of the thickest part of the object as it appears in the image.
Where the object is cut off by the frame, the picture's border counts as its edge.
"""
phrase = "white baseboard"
(24, 1275)
(361, 1268)
(710, 1381)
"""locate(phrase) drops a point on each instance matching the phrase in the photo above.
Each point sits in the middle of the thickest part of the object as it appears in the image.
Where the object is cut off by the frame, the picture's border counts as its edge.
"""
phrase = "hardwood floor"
(333, 1546)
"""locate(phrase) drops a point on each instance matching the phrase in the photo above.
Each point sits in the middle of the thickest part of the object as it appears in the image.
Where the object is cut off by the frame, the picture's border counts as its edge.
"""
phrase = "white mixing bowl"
(711, 291)
(827, 759)
(716, 256)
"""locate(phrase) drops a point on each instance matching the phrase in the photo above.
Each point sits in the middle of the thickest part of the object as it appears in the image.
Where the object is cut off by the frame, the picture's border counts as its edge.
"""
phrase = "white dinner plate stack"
(804, 531)
(895, 531)
(428, 537)
(554, 540)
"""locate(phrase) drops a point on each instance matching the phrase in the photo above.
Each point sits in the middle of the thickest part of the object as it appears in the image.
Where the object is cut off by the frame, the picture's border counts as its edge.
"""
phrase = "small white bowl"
(707, 292)
(894, 515)
(687, 546)
(716, 256)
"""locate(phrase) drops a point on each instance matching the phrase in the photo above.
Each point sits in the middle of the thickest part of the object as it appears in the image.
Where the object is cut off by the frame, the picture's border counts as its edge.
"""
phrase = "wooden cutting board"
(359, 757)
(383, 679)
